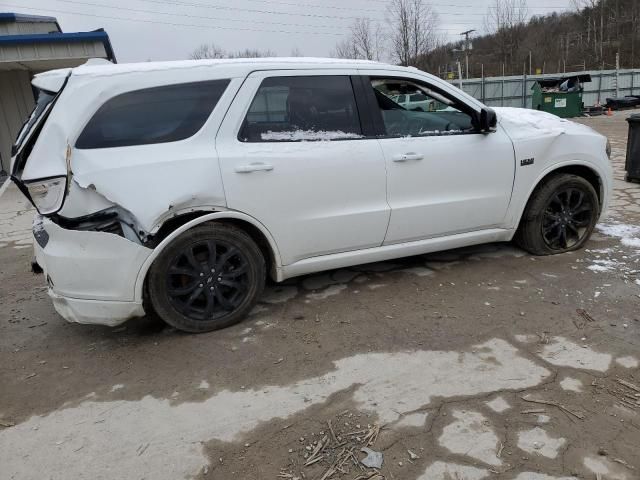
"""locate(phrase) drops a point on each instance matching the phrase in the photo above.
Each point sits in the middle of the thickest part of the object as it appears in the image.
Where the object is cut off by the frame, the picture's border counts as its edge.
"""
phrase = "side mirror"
(487, 121)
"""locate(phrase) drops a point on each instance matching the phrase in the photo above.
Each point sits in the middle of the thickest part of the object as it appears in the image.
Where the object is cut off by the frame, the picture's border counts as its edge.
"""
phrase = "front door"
(294, 156)
(444, 177)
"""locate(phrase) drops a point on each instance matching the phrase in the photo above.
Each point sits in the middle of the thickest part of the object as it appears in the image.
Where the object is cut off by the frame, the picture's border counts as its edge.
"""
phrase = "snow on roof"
(240, 64)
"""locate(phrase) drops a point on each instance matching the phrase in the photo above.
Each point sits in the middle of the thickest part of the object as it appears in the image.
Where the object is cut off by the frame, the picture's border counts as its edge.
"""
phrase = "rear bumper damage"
(91, 274)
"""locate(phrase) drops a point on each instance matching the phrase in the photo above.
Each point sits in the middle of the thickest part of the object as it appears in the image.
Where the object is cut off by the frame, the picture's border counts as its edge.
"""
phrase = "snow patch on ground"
(388, 384)
(537, 441)
(628, 362)
(326, 293)
(540, 476)
(204, 385)
(542, 419)
(629, 235)
(605, 468)
(498, 405)
(472, 436)
(419, 271)
(571, 385)
(448, 471)
(279, 294)
(413, 420)
(117, 387)
(563, 352)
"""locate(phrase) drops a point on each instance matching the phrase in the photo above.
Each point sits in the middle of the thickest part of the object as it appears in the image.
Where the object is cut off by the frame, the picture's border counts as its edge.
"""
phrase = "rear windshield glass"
(153, 115)
(44, 100)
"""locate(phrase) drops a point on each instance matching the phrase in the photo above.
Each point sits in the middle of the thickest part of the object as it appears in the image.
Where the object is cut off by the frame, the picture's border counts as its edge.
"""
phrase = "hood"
(521, 123)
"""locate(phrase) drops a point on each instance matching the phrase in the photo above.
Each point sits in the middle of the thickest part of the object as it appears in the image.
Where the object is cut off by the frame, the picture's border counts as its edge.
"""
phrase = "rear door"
(295, 156)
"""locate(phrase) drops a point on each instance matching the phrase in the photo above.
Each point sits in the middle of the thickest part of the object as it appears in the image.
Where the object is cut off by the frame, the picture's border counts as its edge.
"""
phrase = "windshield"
(44, 100)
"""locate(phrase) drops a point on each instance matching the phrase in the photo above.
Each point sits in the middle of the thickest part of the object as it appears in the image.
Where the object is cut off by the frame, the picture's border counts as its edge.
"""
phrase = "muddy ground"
(476, 363)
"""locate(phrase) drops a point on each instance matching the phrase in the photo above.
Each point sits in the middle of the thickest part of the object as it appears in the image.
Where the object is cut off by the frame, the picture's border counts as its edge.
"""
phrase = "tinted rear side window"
(289, 109)
(153, 115)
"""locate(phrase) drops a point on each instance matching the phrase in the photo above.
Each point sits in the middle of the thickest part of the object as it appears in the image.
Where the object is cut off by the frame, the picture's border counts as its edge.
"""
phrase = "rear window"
(307, 108)
(44, 100)
(153, 115)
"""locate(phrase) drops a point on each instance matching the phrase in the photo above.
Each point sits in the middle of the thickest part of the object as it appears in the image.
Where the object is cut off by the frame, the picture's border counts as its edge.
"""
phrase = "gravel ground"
(469, 364)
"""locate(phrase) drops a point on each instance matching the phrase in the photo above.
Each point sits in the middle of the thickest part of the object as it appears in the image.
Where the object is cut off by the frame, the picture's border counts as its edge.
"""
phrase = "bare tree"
(506, 19)
(212, 51)
(296, 52)
(208, 51)
(346, 49)
(413, 29)
(251, 53)
(365, 41)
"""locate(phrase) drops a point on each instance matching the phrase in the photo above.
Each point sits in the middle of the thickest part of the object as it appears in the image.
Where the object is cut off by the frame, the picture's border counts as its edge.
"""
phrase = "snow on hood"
(523, 123)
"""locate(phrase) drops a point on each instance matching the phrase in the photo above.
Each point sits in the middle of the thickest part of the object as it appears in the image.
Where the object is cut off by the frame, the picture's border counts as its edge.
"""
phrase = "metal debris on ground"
(334, 452)
(373, 459)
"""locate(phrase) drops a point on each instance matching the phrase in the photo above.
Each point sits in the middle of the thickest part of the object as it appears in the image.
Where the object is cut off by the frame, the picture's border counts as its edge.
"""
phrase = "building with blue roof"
(31, 44)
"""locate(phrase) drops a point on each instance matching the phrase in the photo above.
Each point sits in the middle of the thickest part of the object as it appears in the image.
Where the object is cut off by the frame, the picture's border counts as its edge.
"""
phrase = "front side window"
(153, 115)
(290, 109)
(423, 113)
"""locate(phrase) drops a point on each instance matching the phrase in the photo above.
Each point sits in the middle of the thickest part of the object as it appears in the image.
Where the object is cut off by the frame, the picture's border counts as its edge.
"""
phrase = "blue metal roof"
(18, 17)
(97, 35)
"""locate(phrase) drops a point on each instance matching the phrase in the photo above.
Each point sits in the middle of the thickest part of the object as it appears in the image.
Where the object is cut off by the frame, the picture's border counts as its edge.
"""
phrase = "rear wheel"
(560, 216)
(208, 278)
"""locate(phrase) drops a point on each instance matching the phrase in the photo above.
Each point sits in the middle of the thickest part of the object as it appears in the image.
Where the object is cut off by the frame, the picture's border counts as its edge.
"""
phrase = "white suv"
(177, 187)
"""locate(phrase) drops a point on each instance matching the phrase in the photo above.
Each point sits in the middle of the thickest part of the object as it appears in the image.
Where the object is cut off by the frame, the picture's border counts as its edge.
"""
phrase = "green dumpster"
(561, 96)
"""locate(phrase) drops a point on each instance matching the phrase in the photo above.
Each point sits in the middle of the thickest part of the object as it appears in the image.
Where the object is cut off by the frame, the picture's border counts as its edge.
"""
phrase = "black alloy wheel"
(206, 279)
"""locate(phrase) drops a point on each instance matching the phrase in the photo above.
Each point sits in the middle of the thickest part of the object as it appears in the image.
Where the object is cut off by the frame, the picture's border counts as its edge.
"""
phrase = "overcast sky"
(143, 30)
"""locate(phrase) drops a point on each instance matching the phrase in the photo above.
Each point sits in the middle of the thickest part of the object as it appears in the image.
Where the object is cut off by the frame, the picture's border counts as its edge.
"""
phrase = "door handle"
(408, 157)
(254, 167)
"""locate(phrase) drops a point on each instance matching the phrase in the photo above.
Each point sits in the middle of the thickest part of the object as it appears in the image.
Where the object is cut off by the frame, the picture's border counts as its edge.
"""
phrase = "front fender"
(223, 215)
(606, 182)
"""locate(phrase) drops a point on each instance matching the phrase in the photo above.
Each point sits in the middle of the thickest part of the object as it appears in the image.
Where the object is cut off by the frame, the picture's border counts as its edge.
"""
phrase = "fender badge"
(527, 161)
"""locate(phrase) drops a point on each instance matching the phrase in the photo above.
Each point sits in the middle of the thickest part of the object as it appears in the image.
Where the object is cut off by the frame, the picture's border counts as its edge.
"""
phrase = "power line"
(155, 12)
(158, 22)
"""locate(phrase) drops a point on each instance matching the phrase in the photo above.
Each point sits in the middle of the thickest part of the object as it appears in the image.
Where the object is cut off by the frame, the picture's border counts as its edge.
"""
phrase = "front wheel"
(208, 278)
(560, 216)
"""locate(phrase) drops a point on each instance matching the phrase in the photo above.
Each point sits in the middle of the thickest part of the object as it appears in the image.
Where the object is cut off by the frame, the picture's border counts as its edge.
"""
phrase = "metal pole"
(483, 97)
(460, 74)
(524, 88)
(530, 63)
(502, 97)
(617, 75)
(600, 88)
(466, 59)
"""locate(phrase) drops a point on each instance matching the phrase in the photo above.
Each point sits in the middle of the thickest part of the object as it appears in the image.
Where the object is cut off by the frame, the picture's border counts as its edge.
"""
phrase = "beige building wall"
(16, 103)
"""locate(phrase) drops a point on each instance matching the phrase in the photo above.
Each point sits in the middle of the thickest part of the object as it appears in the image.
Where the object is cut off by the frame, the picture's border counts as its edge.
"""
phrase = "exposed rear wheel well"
(256, 235)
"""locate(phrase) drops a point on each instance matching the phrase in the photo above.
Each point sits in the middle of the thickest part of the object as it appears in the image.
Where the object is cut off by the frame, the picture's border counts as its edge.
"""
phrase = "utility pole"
(467, 47)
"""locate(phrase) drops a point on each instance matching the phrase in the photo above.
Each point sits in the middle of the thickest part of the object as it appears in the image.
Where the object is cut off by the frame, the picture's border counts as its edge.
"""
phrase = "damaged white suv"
(177, 187)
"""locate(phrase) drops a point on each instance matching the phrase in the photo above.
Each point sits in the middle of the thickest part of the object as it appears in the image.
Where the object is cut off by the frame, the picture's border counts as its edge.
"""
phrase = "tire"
(560, 216)
(209, 278)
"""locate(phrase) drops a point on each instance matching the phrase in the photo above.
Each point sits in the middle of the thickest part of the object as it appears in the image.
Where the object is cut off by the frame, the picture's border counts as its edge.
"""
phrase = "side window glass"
(422, 112)
(153, 115)
(290, 109)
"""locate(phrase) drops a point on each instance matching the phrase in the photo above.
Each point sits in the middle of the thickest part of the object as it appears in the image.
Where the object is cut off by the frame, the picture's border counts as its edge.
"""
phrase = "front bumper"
(91, 275)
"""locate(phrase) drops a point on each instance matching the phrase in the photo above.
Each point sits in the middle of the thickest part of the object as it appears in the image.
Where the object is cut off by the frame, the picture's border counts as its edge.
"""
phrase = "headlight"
(608, 149)
(47, 195)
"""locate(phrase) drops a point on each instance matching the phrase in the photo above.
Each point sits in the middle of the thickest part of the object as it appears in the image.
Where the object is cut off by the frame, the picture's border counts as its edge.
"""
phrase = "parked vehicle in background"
(177, 187)
(415, 101)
